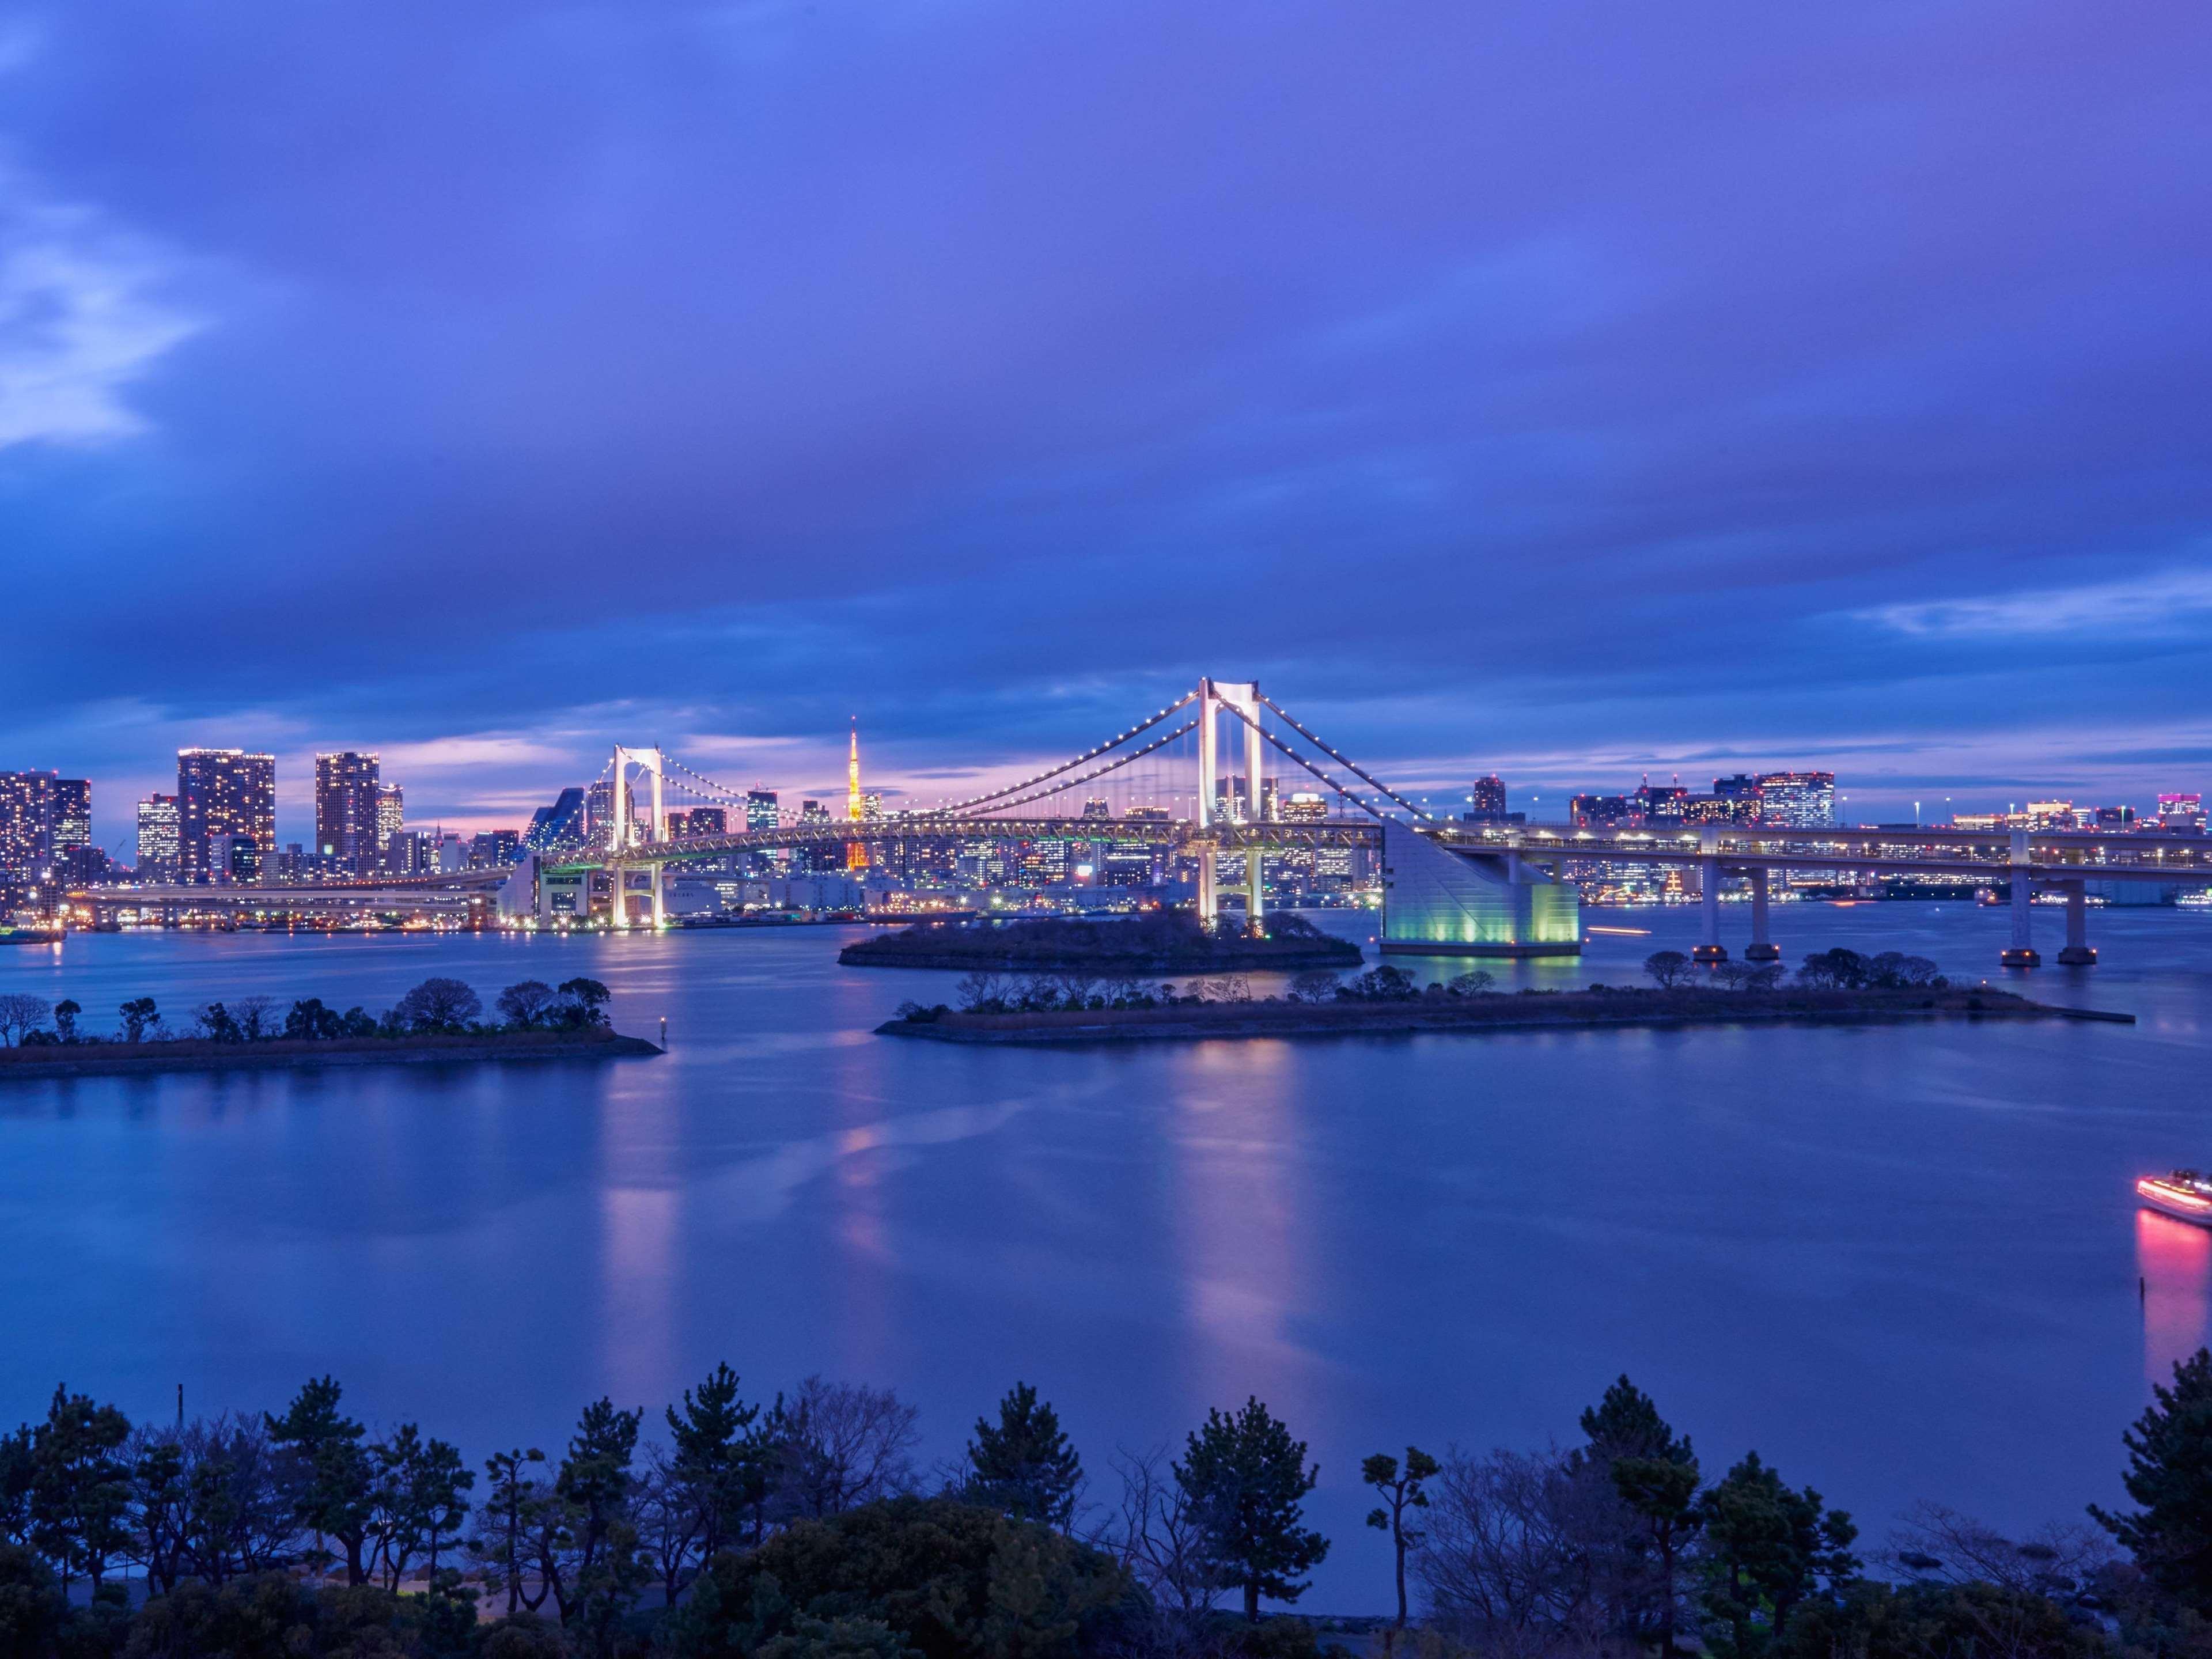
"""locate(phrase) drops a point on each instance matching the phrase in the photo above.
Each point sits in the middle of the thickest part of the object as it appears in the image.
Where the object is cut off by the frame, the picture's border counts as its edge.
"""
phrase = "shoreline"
(867, 953)
(199, 1055)
(1562, 1011)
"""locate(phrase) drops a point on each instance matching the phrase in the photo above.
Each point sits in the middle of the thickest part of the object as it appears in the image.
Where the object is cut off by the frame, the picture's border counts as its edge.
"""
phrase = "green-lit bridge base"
(1437, 903)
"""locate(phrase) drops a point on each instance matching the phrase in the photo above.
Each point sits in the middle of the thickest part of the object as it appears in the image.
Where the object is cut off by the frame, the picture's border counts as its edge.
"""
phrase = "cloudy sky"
(1573, 390)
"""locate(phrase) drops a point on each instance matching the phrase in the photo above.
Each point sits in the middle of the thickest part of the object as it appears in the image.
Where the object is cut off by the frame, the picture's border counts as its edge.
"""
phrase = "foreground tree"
(1769, 1550)
(1247, 1479)
(1022, 1465)
(1401, 1488)
(2169, 1474)
(327, 1473)
(834, 1446)
(80, 1491)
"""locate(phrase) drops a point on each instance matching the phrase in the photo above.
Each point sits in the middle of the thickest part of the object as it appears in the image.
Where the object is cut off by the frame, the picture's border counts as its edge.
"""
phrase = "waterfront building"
(391, 814)
(1591, 811)
(2184, 812)
(1486, 802)
(495, 849)
(27, 826)
(231, 858)
(72, 825)
(224, 792)
(346, 787)
(157, 838)
(559, 824)
(2051, 815)
(1797, 800)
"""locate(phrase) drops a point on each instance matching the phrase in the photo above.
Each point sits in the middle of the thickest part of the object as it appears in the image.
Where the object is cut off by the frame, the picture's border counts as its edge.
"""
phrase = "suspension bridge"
(1215, 785)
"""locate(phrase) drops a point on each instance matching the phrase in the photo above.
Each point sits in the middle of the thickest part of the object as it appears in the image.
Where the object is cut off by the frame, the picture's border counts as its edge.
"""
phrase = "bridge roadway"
(2060, 860)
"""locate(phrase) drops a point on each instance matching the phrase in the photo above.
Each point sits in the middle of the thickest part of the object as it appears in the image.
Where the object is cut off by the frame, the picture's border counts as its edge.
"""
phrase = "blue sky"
(1570, 391)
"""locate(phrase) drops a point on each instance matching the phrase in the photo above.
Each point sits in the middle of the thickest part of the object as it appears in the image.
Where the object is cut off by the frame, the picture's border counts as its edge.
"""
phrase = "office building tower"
(346, 788)
(223, 792)
(495, 849)
(761, 811)
(157, 838)
(1306, 806)
(558, 825)
(708, 821)
(1486, 802)
(1796, 800)
(231, 858)
(391, 815)
(27, 826)
(72, 821)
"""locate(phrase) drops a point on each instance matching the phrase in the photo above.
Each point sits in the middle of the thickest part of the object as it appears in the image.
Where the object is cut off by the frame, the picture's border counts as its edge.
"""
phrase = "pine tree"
(1245, 1477)
(2169, 1474)
(1022, 1465)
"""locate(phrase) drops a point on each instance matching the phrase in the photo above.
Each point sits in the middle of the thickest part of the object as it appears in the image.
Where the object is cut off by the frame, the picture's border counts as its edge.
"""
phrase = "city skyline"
(1577, 414)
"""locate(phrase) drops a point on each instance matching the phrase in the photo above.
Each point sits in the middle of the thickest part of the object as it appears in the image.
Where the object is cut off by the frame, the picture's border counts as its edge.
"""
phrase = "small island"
(439, 1021)
(1158, 942)
(1834, 987)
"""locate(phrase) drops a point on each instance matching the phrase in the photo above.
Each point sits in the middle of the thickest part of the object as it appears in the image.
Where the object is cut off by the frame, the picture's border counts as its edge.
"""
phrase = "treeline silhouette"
(802, 1527)
(437, 1005)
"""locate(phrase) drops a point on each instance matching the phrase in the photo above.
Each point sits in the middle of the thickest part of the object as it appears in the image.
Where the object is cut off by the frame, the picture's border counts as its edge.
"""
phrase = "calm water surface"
(1903, 1263)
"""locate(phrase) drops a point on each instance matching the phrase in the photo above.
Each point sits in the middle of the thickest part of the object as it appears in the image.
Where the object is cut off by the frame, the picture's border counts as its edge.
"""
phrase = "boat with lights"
(2186, 1195)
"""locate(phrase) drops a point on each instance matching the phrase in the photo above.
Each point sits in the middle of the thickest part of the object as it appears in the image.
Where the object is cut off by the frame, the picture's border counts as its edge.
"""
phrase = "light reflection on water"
(2176, 1262)
(1901, 1263)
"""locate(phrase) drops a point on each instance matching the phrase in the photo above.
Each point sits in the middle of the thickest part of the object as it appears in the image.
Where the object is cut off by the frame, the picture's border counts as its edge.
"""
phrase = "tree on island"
(586, 1002)
(139, 1017)
(528, 1004)
(20, 1014)
(1401, 1488)
(1668, 968)
(438, 1004)
(1022, 1465)
(1246, 1480)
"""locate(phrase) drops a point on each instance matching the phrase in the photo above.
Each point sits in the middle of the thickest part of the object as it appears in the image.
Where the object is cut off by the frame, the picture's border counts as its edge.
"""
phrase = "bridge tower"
(1240, 697)
(621, 835)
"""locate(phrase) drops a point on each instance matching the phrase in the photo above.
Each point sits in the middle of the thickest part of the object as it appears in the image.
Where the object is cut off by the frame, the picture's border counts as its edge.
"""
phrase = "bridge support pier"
(1256, 870)
(1710, 948)
(2021, 952)
(1761, 948)
(1209, 901)
(2079, 953)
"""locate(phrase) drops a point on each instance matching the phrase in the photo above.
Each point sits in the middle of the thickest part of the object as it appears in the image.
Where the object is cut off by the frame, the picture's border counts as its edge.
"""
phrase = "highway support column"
(1710, 948)
(1761, 948)
(2079, 953)
(2021, 952)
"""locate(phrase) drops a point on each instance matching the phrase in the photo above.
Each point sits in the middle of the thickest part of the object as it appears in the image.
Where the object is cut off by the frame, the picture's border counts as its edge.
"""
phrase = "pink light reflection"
(2175, 1260)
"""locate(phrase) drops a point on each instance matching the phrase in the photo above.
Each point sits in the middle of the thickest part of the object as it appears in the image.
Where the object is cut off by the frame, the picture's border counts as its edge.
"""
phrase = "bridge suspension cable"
(1344, 761)
(1351, 795)
(1115, 764)
(1088, 755)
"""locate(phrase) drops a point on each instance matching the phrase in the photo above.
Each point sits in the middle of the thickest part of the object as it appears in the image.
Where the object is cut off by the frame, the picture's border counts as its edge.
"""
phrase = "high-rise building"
(2184, 812)
(157, 838)
(561, 823)
(708, 821)
(1796, 800)
(1486, 802)
(390, 819)
(495, 849)
(223, 792)
(27, 825)
(347, 786)
(1306, 806)
(761, 811)
(72, 820)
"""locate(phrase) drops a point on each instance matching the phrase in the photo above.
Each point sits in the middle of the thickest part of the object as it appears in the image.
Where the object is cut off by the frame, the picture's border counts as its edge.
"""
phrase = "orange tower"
(856, 853)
